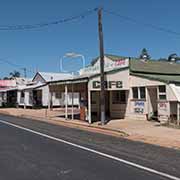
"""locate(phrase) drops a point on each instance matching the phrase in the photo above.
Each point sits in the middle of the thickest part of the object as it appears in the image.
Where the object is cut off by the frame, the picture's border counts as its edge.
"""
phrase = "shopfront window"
(139, 92)
(142, 92)
(162, 92)
(118, 97)
(94, 97)
(135, 92)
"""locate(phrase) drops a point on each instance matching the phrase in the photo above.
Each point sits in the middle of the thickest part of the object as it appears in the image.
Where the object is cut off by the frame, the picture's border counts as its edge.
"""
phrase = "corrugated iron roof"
(49, 76)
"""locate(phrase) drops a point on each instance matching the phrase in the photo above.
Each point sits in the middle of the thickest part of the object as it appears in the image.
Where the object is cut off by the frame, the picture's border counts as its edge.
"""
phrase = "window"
(139, 92)
(162, 89)
(142, 93)
(94, 97)
(118, 97)
(162, 92)
(135, 92)
(58, 95)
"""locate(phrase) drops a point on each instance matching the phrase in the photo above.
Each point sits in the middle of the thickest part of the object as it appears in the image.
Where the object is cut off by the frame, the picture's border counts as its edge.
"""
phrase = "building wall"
(27, 98)
(122, 76)
(116, 110)
(163, 106)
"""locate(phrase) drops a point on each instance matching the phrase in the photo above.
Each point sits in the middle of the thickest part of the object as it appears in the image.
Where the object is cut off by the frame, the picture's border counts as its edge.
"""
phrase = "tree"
(173, 57)
(5, 78)
(15, 74)
(144, 54)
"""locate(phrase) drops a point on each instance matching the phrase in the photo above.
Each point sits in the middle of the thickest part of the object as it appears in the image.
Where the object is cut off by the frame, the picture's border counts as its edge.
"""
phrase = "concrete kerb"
(69, 123)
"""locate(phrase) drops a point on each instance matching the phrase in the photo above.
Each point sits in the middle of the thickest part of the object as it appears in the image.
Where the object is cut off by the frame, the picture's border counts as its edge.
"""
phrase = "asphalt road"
(28, 156)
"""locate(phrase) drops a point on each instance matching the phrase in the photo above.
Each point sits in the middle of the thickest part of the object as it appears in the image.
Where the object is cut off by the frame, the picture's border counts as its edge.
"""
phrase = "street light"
(71, 55)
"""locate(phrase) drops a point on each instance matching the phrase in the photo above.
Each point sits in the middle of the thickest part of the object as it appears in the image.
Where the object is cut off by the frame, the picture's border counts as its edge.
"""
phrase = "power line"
(41, 25)
(3, 60)
(142, 23)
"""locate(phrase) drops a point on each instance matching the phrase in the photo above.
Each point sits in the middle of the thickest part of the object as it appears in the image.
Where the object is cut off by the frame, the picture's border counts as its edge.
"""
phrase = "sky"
(41, 49)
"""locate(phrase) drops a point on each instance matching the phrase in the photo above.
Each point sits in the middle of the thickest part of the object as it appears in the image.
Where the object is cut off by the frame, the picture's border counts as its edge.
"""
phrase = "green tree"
(144, 54)
(5, 78)
(15, 74)
(173, 57)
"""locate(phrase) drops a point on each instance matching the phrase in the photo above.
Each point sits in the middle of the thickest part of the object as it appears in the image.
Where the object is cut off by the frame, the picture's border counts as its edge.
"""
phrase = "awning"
(176, 89)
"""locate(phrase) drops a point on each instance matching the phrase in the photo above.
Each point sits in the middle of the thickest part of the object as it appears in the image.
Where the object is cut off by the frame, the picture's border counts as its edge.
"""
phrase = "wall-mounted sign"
(108, 84)
(108, 65)
(139, 107)
(162, 106)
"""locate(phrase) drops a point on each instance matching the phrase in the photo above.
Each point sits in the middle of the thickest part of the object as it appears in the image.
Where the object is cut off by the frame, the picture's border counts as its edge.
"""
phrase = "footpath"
(136, 130)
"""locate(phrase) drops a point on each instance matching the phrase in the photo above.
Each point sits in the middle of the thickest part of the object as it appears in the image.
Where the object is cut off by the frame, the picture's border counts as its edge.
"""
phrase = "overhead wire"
(3, 60)
(141, 23)
(41, 25)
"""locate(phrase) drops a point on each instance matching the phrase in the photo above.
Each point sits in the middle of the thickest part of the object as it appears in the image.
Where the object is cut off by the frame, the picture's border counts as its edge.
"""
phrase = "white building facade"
(134, 89)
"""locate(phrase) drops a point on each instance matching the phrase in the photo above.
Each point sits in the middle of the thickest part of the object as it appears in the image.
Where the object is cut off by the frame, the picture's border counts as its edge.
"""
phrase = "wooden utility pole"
(101, 48)
(25, 72)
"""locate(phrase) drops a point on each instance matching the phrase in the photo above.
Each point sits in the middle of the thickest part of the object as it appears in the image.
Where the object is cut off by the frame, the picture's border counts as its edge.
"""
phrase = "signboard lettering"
(108, 65)
(139, 107)
(108, 84)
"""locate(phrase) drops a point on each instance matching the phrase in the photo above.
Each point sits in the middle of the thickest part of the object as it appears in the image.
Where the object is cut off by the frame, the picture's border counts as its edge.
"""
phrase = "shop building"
(36, 93)
(135, 88)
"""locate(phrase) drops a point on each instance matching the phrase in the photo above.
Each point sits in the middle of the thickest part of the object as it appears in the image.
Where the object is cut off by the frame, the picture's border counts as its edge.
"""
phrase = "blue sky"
(42, 48)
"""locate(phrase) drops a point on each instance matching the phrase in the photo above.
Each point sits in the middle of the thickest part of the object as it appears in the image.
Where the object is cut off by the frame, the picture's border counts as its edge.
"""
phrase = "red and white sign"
(108, 66)
(7, 83)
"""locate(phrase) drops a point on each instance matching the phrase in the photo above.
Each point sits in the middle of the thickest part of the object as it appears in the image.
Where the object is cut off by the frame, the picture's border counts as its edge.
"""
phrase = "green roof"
(155, 67)
(151, 69)
(159, 77)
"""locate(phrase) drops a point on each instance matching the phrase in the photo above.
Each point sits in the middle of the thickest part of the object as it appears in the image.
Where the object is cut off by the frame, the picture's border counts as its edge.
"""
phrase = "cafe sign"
(108, 84)
(108, 66)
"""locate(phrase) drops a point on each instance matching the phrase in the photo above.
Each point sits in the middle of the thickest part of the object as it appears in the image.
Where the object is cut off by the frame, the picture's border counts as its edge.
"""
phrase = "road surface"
(34, 150)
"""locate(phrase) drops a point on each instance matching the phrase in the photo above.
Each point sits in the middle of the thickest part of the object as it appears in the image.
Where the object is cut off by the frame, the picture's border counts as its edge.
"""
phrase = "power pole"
(25, 72)
(101, 48)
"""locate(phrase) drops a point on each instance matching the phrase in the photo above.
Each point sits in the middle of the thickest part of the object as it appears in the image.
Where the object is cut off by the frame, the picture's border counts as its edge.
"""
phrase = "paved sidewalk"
(138, 130)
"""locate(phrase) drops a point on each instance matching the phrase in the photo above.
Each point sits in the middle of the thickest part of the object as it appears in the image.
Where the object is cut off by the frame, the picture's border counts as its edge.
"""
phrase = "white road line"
(96, 152)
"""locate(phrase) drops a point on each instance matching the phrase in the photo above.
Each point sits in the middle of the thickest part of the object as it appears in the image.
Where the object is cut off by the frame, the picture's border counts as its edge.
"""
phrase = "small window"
(57, 95)
(142, 93)
(135, 92)
(118, 97)
(162, 92)
(162, 97)
(162, 89)
(139, 92)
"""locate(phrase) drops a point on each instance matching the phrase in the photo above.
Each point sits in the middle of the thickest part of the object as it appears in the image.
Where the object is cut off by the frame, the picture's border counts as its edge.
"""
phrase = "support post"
(178, 118)
(89, 106)
(72, 113)
(66, 102)
(72, 103)
(101, 48)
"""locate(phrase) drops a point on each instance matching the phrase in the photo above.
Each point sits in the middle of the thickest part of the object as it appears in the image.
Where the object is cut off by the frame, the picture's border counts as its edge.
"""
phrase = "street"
(27, 155)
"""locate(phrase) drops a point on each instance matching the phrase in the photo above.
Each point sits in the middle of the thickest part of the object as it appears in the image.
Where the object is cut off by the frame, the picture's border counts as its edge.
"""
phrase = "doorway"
(152, 103)
(37, 97)
(96, 105)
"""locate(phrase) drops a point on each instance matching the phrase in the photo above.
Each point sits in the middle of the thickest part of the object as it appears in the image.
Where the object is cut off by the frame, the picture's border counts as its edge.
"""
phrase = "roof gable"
(48, 76)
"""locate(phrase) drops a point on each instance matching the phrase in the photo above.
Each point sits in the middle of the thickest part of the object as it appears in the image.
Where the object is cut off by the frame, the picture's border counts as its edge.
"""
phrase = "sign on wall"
(139, 107)
(7, 83)
(163, 111)
(108, 84)
(108, 65)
